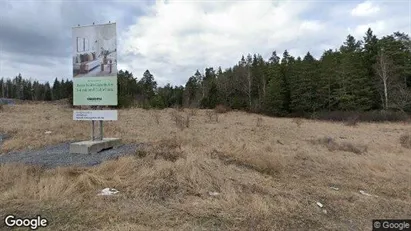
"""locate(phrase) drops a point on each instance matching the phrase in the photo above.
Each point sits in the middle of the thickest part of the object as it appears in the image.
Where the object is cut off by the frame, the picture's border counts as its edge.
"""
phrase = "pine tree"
(127, 87)
(47, 92)
(328, 83)
(209, 86)
(275, 97)
(56, 90)
(148, 86)
(354, 92)
(2, 88)
(191, 92)
(285, 70)
(304, 84)
(370, 52)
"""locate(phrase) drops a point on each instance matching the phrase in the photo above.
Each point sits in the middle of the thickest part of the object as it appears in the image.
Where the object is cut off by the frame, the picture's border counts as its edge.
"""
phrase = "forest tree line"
(361, 75)
(366, 75)
(26, 89)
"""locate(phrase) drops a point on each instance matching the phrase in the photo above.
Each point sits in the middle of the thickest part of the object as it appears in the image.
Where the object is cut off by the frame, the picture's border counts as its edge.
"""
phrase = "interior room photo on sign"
(94, 51)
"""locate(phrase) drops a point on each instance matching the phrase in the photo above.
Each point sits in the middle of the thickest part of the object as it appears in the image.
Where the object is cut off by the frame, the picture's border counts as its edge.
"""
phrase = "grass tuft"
(405, 140)
(212, 116)
(332, 145)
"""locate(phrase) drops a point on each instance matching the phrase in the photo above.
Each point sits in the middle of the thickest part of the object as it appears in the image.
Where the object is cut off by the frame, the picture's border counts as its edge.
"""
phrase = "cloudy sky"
(174, 38)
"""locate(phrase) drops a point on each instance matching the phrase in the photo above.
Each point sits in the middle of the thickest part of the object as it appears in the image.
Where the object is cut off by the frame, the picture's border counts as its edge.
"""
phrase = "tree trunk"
(249, 88)
(264, 87)
(385, 94)
(329, 93)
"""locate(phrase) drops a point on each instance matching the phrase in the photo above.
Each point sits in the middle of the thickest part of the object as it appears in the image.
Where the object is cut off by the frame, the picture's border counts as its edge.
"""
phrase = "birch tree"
(384, 71)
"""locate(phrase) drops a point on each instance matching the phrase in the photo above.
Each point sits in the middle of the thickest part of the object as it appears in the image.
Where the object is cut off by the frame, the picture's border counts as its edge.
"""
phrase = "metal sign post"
(101, 130)
(100, 127)
(93, 128)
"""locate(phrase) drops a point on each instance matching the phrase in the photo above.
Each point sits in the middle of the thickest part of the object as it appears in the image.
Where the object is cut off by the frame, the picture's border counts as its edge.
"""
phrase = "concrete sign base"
(94, 146)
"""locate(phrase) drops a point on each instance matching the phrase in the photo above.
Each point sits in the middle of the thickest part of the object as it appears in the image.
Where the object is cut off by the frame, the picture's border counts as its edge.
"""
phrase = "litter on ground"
(367, 194)
(108, 192)
(213, 193)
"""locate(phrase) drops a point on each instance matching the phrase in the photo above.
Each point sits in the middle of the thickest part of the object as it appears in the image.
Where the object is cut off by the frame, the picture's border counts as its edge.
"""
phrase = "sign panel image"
(94, 59)
(95, 91)
(95, 115)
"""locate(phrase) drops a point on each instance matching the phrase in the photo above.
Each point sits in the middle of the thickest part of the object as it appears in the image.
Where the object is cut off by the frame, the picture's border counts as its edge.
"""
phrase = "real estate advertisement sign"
(95, 115)
(95, 65)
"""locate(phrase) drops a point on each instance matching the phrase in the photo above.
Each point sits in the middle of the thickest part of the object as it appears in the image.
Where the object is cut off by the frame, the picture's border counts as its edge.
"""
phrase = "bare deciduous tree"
(384, 70)
(401, 97)
(246, 78)
(225, 87)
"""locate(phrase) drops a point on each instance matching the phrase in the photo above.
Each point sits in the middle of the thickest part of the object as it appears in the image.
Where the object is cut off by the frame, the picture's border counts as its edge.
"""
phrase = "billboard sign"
(94, 58)
(95, 115)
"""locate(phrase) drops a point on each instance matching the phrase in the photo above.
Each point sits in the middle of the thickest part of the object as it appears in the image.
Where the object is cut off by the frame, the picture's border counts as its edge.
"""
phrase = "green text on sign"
(93, 91)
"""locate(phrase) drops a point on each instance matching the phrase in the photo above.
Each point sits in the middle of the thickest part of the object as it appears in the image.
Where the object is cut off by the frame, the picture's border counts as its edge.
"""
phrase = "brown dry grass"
(298, 121)
(259, 122)
(210, 176)
(405, 140)
(181, 120)
(332, 145)
(212, 116)
(156, 116)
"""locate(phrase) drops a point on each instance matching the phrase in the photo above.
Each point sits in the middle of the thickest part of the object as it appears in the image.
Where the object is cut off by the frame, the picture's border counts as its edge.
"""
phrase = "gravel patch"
(59, 155)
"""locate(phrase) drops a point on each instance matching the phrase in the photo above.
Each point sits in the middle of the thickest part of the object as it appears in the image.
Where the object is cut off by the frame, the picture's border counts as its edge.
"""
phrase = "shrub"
(156, 116)
(180, 121)
(263, 162)
(352, 121)
(187, 121)
(178, 108)
(298, 121)
(332, 145)
(167, 149)
(259, 121)
(193, 112)
(221, 109)
(383, 116)
(125, 101)
(212, 116)
(354, 148)
(405, 141)
(354, 117)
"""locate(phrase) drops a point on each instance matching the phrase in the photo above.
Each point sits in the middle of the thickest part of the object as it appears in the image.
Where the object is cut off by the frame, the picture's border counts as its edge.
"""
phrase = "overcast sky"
(175, 38)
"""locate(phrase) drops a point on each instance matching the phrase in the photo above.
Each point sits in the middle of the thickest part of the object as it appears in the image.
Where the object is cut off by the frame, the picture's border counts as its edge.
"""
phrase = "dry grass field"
(208, 171)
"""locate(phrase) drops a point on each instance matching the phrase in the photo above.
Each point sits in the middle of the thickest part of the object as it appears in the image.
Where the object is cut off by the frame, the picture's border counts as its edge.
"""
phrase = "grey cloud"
(39, 32)
(29, 59)
(27, 41)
